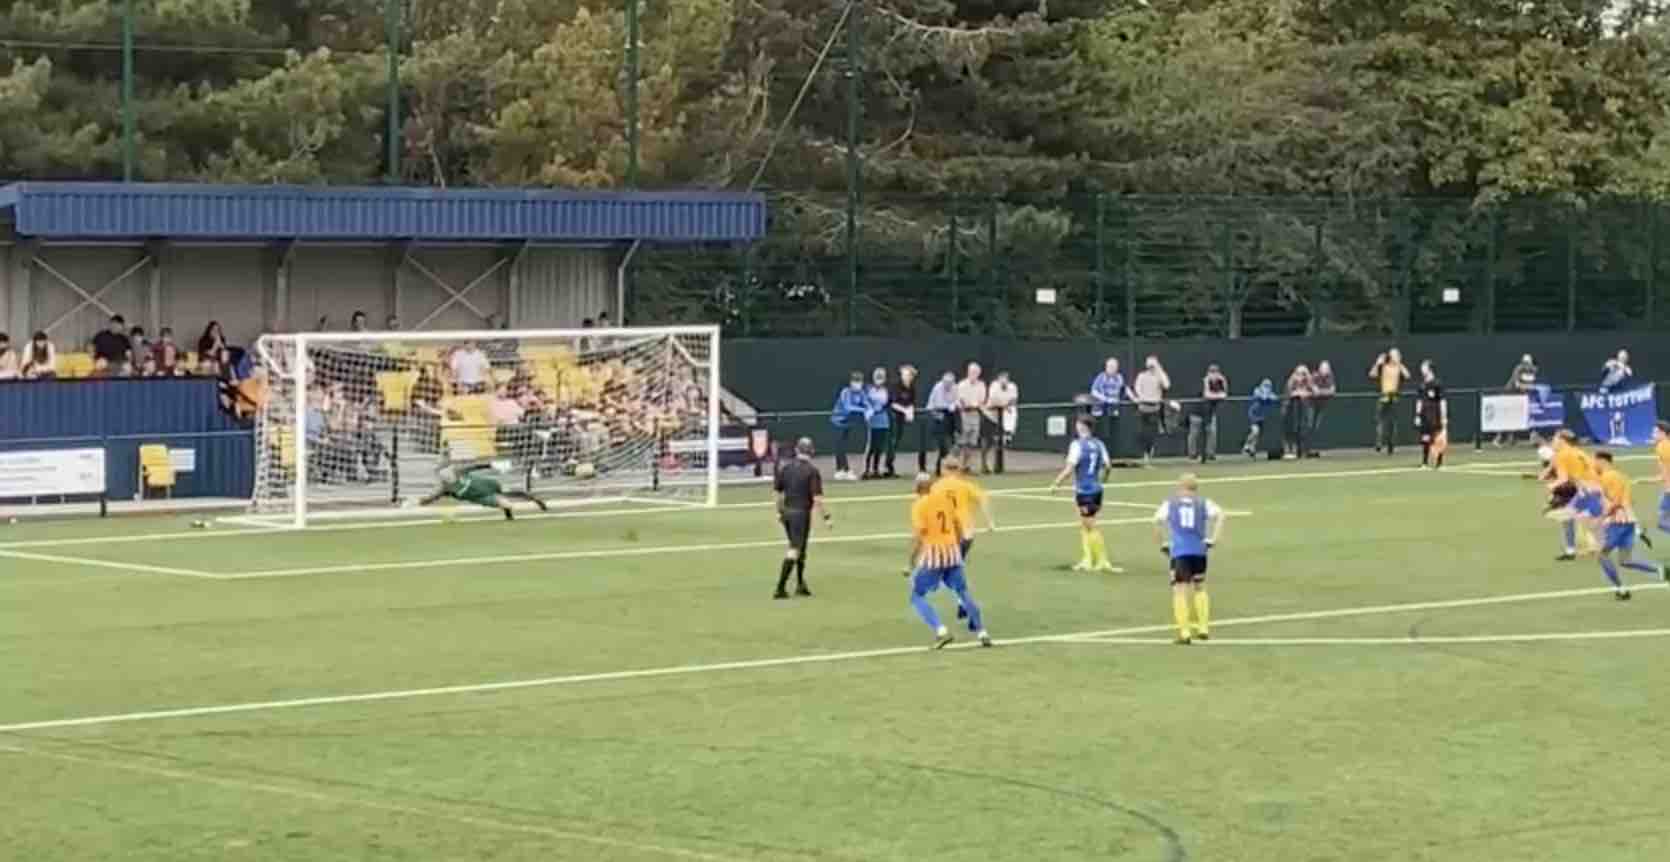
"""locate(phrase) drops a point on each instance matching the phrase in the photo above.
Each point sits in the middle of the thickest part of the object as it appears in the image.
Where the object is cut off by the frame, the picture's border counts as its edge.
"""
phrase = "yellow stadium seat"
(156, 471)
(286, 440)
(396, 389)
(473, 427)
(75, 365)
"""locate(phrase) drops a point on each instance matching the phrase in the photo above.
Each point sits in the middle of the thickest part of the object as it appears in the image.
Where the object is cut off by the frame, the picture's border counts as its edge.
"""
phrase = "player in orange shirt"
(1575, 496)
(967, 497)
(1621, 528)
(1661, 451)
(936, 559)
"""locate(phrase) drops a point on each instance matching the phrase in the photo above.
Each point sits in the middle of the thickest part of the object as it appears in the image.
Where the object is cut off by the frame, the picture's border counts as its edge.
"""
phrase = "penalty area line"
(1538, 637)
(750, 664)
(106, 564)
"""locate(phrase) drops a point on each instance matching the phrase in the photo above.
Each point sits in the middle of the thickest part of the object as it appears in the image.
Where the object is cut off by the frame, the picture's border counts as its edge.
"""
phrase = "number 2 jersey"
(933, 518)
(1185, 520)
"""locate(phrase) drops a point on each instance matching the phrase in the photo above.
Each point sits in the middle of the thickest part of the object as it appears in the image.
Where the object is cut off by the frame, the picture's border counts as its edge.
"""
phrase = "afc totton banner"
(1622, 418)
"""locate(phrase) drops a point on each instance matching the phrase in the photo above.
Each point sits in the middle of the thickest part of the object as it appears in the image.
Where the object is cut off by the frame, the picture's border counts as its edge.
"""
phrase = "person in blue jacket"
(879, 419)
(850, 414)
(1263, 404)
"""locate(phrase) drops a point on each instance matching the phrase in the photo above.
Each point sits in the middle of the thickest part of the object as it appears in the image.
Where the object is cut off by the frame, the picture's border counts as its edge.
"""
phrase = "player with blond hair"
(1188, 525)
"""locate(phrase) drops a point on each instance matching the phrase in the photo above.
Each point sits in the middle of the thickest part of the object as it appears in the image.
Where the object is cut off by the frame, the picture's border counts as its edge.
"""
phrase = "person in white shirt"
(470, 368)
(1000, 415)
(971, 399)
(1150, 390)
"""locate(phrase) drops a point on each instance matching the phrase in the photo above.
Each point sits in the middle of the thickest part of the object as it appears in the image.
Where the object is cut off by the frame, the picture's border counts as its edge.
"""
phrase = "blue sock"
(974, 621)
(1664, 522)
(1637, 565)
(1611, 573)
(1571, 536)
(926, 611)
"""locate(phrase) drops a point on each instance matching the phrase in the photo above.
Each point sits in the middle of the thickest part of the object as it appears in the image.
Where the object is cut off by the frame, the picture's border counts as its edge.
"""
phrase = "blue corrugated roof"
(170, 210)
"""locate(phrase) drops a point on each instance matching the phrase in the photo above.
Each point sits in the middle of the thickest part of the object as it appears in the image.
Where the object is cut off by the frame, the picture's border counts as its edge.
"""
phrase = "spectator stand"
(272, 259)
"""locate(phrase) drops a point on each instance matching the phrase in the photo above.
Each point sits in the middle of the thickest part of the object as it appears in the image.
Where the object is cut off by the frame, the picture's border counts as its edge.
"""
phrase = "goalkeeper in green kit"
(466, 485)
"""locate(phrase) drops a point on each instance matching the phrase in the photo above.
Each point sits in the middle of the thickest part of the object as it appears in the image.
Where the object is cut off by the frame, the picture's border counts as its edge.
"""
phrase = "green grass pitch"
(622, 687)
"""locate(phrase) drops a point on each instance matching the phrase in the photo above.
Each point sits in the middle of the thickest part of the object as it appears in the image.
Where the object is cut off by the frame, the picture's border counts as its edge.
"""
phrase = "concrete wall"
(253, 288)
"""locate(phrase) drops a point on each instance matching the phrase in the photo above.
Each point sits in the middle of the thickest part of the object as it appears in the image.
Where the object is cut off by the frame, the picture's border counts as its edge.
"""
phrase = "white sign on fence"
(51, 473)
(1504, 413)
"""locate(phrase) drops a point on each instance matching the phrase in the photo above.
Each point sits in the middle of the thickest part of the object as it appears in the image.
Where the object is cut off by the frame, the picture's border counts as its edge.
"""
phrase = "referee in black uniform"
(799, 490)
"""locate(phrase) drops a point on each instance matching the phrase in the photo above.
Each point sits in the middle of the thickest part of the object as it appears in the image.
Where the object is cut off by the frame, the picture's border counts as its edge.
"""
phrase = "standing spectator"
(111, 348)
(1296, 412)
(878, 418)
(1002, 413)
(971, 399)
(1390, 374)
(942, 412)
(1616, 372)
(40, 359)
(902, 401)
(848, 416)
(1203, 426)
(603, 319)
(357, 322)
(1260, 406)
(1521, 380)
(166, 354)
(1150, 391)
(9, 363)
(1106, 391)
(1323, 388)
(470, 367)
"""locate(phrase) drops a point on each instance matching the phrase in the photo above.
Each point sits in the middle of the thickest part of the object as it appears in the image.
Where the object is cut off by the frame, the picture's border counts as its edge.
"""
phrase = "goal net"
(362, 423)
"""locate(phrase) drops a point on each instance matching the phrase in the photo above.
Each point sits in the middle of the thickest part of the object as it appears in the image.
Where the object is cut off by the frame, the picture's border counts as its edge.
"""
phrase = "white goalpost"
(360, 424)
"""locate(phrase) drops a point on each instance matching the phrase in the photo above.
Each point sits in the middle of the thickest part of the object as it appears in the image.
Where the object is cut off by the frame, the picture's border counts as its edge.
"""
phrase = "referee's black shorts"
(798, 527)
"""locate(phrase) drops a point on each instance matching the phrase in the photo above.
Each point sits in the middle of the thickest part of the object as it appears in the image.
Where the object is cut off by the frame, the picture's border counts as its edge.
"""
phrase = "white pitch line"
(834, 500)
(610, 553)
(756, 664)
(105, 564)
(1540, 637)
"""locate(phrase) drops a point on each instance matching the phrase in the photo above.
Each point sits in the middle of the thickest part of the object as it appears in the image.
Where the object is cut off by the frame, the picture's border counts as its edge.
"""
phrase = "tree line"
(1325, 165)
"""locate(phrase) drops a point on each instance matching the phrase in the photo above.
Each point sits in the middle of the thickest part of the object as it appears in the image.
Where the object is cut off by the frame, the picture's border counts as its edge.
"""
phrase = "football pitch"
(1398, 671)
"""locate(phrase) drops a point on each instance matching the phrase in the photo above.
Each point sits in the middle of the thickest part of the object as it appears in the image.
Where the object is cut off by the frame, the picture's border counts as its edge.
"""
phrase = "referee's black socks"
(1426, 453)
(783, 575)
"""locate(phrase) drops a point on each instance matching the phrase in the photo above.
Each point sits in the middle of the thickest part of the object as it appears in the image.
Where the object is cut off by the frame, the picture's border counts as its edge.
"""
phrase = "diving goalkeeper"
(466, 485)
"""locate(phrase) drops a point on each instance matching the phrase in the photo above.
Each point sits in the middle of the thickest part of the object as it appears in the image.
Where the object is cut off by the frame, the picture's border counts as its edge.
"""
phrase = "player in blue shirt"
(1087, 463)
(1188, 525)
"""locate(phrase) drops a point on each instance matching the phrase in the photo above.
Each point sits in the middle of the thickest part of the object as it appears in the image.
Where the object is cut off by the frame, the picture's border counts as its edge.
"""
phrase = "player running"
(1661, 451)
(1188, 525)
(1087, 463)
(1574, 497)
(1621, 527)
(936, 560)
(466, 486)
(967, 498)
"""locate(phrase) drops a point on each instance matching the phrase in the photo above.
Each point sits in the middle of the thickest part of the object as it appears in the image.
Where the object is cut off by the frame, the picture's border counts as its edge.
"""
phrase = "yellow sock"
(1586, 540)
(1180, 612)
(1203, 611)
(1098, 548)
(1086, 554)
